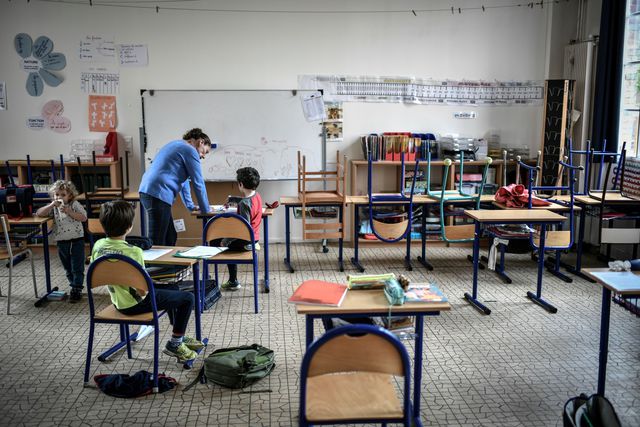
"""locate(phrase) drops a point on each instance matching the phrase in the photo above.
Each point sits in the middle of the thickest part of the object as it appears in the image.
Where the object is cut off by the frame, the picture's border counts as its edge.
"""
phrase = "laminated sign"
(102, 113)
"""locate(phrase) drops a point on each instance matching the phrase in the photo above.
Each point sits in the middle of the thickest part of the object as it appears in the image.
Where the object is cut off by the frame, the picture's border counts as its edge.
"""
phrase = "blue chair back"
(398, 199)
(355, 347)
(590, 162)
(115, 269)
(569, 188)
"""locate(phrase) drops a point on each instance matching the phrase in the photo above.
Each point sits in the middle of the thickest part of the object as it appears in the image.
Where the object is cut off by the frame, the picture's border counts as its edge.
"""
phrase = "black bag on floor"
(591, 411)
(136, 385)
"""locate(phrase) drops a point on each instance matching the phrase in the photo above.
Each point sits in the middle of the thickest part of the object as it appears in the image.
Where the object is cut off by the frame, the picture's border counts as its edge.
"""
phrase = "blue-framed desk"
(541, 217)
(291, 202)
(170, 259)
(266, 213)
(631, 289)
(129, 196)
(365, 303)
(43, 224)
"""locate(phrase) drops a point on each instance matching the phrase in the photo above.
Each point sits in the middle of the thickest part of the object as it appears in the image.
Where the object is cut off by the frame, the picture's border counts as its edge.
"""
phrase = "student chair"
(14, 249)
(396, 231)
(231, 226)
(105, 271)
(558, 240)
(334, 196)
(348, 377)
(610, 215)
(456, 233)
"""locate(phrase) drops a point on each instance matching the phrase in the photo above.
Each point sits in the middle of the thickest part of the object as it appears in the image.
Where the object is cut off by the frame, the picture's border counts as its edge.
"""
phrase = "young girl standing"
(68, 215)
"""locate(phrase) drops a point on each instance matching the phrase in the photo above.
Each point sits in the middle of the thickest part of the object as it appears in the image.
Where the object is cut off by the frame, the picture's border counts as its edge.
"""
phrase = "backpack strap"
(195, 380)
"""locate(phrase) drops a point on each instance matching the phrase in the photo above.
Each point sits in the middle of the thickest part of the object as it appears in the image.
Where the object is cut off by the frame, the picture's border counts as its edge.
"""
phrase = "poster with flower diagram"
(102, 113)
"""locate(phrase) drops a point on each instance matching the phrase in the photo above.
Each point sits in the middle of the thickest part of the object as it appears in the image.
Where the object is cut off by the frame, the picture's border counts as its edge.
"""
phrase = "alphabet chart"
(423, 91)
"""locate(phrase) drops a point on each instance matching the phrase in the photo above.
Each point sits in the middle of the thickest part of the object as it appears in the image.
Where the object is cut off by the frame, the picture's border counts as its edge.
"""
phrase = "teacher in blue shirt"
(174, 166)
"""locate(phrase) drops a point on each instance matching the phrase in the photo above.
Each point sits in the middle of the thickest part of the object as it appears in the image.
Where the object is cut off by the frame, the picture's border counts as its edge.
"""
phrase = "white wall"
(205, 50)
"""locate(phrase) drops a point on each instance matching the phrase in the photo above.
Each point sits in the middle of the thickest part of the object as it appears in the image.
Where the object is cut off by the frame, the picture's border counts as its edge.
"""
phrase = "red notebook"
(317, 292)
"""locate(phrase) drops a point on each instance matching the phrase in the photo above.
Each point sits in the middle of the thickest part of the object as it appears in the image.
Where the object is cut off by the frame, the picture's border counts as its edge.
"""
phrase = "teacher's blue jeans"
(161, 229)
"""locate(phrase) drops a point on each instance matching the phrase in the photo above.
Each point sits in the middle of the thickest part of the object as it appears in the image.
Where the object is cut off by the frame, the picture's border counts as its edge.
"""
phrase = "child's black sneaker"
(75, 295)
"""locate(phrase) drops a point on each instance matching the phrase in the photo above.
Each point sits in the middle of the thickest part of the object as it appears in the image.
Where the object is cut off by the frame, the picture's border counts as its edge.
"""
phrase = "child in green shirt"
(117, 220)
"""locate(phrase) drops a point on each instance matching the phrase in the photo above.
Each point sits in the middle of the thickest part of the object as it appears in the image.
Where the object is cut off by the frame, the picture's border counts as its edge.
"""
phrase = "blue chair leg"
(87, 366)
(215, 269)
(255, 285)
(156, 343)
(128, 339)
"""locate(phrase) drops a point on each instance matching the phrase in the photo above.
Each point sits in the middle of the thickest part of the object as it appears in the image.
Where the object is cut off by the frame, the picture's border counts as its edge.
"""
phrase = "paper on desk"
(621, 280)
(201, 252)
(221, 208)
(151, 254)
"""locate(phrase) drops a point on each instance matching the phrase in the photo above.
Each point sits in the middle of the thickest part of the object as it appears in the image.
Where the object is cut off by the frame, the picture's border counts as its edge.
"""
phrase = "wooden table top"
(265, 212)
(169, 258)
(132, 196)
(613, 197)
(364, 200)
(524, 215)
(30, 220)
(371, 301)
(631, 286)
(554, 207)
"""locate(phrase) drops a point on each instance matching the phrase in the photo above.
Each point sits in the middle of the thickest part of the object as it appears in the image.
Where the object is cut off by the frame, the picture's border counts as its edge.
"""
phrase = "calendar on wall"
(424, 91)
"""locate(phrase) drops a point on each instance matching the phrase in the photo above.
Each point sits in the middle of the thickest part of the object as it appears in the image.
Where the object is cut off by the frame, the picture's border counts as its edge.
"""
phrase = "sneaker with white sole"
(182, 353)
(193, 343)
(231, 285)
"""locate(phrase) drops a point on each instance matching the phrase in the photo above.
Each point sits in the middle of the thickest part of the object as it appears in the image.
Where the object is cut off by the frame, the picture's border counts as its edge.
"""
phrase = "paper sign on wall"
(99, 82)
(102, 113)
(51, 118)
(133, 55)
(94, 48)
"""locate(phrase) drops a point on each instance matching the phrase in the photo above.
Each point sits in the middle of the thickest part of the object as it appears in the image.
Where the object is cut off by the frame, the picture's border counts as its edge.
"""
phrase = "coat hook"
(414, 12)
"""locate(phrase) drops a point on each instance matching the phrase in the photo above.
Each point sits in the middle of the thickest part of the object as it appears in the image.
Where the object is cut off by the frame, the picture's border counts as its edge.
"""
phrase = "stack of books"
(423, 292)
(57, 296)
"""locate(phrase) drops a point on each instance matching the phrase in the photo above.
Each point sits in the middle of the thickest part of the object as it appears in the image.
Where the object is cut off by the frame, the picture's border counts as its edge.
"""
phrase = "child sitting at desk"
(250, 208)
(117, 220)
(68, 216)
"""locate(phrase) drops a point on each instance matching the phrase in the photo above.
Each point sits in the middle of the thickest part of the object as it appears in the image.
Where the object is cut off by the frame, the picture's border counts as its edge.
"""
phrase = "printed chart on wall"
(260, 128)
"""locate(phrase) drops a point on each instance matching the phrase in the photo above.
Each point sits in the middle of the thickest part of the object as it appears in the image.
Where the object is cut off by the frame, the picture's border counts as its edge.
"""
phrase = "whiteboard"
(259, 128)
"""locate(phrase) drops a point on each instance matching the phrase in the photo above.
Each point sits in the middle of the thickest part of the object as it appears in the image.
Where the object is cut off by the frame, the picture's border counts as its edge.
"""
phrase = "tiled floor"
(515, 367)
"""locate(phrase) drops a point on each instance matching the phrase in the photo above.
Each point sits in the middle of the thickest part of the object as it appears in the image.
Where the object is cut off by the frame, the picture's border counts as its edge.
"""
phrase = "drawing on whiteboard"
(274, 159)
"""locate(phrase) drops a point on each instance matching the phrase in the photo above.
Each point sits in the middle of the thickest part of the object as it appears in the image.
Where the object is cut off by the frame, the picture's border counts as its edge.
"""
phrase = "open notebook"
(201, 252)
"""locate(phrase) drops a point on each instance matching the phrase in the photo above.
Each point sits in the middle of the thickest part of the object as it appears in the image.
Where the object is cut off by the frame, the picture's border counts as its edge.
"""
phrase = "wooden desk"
(553, 207)
(290, 202)
(511, 216)
(365, 303)
(610, 284)
(266, 213)
(43, 224)
(611, 197)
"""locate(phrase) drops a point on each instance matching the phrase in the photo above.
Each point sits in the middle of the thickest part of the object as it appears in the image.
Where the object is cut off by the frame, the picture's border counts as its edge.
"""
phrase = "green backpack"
(237, 367)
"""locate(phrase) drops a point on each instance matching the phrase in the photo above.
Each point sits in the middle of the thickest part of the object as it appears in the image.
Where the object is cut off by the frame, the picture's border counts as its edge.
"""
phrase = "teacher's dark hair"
(196, 133)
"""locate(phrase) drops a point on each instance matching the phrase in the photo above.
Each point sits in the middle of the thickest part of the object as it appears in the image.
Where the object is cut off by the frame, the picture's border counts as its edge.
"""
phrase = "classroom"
(464, 175)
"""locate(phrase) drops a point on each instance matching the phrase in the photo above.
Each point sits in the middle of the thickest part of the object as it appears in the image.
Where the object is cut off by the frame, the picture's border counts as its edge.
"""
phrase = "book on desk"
(424, 292)
(318, 292)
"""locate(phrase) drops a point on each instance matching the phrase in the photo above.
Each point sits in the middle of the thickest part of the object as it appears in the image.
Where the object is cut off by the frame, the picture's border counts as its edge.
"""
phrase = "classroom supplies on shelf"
(201, 252)
(318, 292)
(390, 145)
(368, 281)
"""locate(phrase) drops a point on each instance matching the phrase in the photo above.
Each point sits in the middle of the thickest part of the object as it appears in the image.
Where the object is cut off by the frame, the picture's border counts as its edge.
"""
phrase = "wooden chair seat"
(323, 196)
(554, 238)
(111, 313)
(456, 232)
(233, 256)
(353, 395)
(390, 230)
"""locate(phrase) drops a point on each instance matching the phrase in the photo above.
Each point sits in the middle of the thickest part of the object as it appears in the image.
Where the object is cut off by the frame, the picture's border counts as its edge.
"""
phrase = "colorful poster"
(102, 113)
